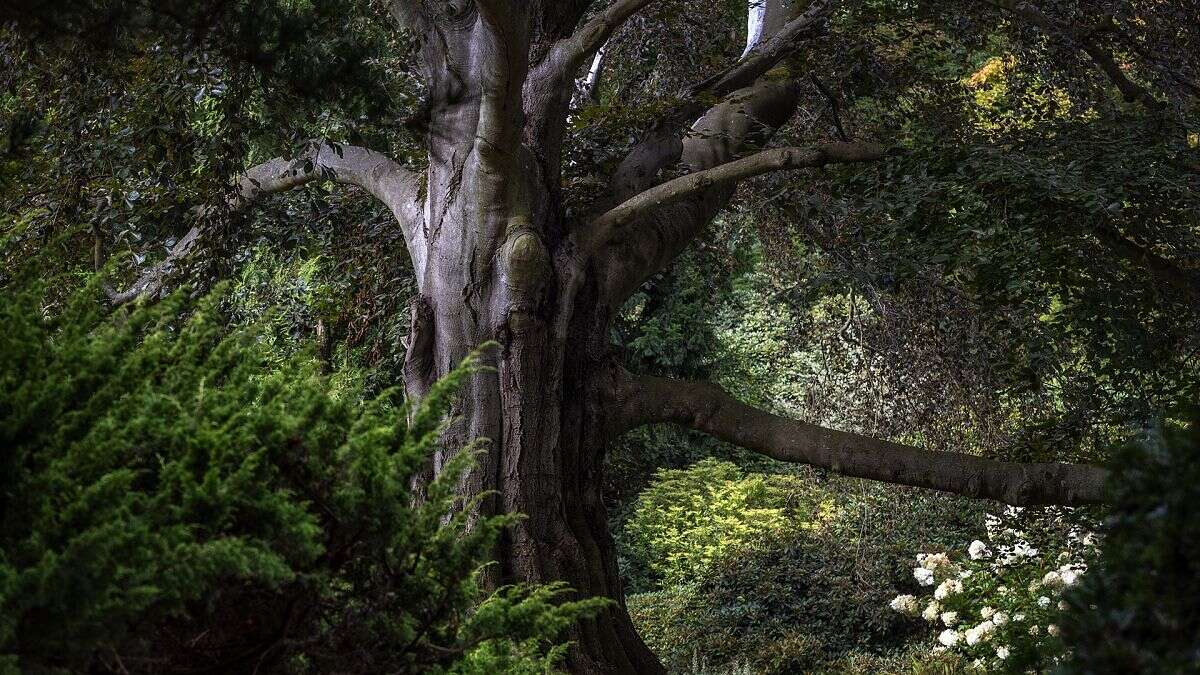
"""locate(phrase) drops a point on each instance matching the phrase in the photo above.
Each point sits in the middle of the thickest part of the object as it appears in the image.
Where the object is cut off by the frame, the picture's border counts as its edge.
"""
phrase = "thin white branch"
(756, 11)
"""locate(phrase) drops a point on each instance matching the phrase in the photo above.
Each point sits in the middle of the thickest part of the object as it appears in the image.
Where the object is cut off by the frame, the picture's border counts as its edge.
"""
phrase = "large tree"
(506, 256)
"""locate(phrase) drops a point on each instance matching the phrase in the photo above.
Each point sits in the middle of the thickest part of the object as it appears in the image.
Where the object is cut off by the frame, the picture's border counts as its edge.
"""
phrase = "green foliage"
(688, 519)
(778, 573)
(1137, 611)
(171, 498)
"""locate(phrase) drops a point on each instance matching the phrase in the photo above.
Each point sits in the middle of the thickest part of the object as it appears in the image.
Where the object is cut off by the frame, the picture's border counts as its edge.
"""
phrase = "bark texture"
(498, 262)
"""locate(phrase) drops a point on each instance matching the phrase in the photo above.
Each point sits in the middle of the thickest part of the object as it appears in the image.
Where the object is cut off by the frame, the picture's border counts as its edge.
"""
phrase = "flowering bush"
(998, 604)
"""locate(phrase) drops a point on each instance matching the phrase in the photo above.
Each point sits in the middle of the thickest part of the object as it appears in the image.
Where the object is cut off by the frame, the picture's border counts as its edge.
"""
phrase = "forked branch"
(708, 408)
(569, 54)
(766, 54)
(664, 143)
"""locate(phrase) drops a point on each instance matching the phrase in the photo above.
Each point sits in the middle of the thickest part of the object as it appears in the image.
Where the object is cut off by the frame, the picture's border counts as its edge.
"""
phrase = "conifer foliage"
(171, 500)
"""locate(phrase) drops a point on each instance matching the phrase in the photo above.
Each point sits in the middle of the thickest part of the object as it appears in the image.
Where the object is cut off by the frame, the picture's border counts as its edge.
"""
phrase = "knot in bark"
(526, 268)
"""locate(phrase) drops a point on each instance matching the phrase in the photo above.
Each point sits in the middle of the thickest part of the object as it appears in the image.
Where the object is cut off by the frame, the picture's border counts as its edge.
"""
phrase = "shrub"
(688, 519)
(804, 589)
(171, 501)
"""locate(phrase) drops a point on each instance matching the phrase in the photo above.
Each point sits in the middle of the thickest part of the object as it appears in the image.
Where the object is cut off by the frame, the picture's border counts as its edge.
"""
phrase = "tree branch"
(1130, 90)
(663, 144)
(708, 408)
(744, 121)
(778, 159)
(1184, 280)
(569, 54)
(764, 55)
(385, 179)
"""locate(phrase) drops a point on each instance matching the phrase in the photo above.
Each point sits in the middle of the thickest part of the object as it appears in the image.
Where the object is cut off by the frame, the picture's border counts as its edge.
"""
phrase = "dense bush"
(173, 499)
(779, 573)
(1139, 610)
(689, 519)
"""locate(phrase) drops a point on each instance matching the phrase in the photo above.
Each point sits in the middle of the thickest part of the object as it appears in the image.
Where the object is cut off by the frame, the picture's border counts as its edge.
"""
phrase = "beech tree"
(501, 264)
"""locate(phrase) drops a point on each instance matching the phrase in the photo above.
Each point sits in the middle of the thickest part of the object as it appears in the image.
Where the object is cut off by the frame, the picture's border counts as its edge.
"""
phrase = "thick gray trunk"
(540, 403)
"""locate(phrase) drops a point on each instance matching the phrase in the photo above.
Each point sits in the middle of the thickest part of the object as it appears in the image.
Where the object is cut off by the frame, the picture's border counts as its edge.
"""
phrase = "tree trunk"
(541, 401)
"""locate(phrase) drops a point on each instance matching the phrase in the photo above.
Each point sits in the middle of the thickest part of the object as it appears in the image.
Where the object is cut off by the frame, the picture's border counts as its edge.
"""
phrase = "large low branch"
(708, 408)
(384, 178)
(778, 159)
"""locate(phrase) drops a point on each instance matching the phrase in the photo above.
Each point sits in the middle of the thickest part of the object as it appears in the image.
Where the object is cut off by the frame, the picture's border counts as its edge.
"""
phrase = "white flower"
(939, 650)
(965, 574)
(923, 576)
(947, 588)
(905, 604)
(1024, 549)
(1018, 617)
(1002, 653)
(949, 637)
(1063, 606)
(1002, 589)
(1068, 574)
(1053, 580)
(931, 612)
(949, 618)
(1043, 601)
(1034, 630)
(1052, 630)
(934, 561)
(987, 612)
(980, 632)
(977, 663)
(999, 618)
(978, 550)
